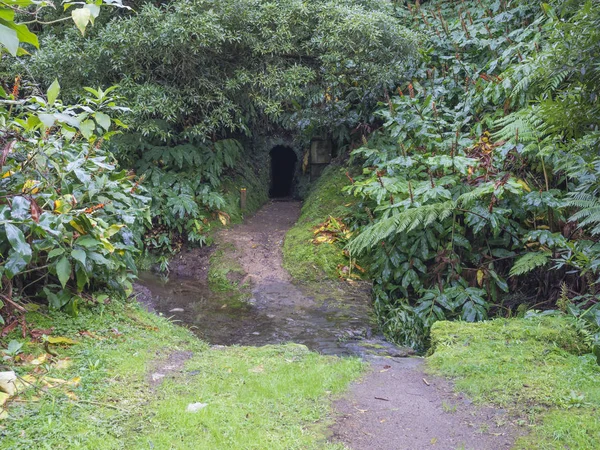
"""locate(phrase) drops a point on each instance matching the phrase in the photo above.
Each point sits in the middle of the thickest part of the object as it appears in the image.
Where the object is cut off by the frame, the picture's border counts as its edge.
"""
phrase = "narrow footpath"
(396, 405)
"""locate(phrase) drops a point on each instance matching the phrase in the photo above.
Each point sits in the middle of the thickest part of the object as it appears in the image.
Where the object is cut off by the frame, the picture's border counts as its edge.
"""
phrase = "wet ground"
(330, 317)
(396, 404)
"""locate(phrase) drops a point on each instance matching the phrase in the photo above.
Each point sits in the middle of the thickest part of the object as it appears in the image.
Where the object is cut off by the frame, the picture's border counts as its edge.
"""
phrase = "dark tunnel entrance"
(283, 163)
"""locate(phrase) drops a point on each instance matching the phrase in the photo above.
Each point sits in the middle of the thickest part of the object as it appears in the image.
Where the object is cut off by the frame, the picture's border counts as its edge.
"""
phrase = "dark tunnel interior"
(283, 163)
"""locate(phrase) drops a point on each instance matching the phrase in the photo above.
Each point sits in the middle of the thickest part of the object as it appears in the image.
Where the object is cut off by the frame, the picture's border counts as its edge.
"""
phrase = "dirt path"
(396, 405)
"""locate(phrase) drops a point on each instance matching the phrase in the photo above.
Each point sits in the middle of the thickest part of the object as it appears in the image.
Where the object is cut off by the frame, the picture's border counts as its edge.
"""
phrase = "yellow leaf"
(75, 225)
(524, 185)
(71, 395)
(480, 277)
(60, 340)
(29, 185)
(113, 229)
(62, 363)
(223, 217)
(3, 398)
(74, 382)
(40, 360)
(107, 245)
(8, 174)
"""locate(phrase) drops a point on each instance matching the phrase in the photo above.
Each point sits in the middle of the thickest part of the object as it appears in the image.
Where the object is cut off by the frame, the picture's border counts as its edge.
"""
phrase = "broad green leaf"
(81, 17)
(24, 35)
(17, 241)
(47, 119)
(53, 92)
(103, 120)
(7, 14)
(63, 270)
(56, 252)
(78, 255)
(87, 241)
(57, 300)
(20, 208)
(15, 263)
(9, 39)
(87, 128)
(94, 11)
(82, 278)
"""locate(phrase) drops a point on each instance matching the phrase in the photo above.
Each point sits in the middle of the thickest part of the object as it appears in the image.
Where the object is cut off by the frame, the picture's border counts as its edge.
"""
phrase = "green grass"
(301, 258)
(225, 272)
(271, 397)
(537, 368)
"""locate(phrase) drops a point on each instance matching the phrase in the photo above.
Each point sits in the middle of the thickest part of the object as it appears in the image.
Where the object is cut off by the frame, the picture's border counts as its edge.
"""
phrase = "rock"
(176, 310)
(195, 407)
(256, 333)
(7, 382)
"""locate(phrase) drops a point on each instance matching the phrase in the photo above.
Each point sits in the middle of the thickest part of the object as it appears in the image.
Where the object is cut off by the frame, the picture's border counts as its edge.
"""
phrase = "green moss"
(535, 366)
(225, 272)
(303, 259)
(268, 397)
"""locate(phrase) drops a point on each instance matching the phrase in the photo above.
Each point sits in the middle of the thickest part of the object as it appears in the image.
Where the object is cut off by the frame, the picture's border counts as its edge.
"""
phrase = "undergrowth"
(535, 367)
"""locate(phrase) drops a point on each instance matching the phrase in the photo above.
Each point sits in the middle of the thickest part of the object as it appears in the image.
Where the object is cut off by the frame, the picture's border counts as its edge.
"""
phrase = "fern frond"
(403, 222)
(529, 262)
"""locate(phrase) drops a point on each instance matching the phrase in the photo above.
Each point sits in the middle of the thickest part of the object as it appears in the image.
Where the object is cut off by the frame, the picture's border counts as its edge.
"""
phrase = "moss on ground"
(270, 397)
(225, 272)
(302, 259)
(538, 368)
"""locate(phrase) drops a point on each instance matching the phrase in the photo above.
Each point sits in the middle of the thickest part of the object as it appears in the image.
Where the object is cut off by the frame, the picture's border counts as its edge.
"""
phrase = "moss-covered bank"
(117, 388)
(304, 260)
(538, 368)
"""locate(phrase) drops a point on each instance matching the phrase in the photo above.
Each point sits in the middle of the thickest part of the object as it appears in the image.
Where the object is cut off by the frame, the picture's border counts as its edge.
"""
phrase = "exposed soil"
(396, 405)
(168, 367)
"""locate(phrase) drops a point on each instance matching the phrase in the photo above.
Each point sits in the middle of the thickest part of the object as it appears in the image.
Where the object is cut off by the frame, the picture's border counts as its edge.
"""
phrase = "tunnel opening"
(283, 163)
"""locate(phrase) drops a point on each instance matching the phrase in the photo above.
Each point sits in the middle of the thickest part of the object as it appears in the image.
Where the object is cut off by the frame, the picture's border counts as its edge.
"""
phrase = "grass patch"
(537, 367)
(303, 259)
(225, 272)
(270, 397)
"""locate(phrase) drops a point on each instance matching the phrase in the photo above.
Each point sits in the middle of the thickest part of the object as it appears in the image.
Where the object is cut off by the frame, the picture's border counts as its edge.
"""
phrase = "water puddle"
(330, 320)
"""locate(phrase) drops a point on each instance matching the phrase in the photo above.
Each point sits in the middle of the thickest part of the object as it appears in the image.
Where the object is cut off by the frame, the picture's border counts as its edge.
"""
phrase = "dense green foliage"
(533, 367)
(479, 193)
(68, 216)
(201, 77)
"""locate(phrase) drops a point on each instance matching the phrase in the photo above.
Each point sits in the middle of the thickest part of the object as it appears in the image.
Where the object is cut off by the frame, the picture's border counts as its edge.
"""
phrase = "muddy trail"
(328, 317)
(396, 405)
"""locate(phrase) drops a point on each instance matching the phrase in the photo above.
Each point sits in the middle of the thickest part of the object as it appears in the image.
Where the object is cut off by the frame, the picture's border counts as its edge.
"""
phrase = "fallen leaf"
(38, 332)
(433, 441)
(39, 360)
(60, 340)
(3, 398)
(63, 363)
(257, 369)
(8, 328)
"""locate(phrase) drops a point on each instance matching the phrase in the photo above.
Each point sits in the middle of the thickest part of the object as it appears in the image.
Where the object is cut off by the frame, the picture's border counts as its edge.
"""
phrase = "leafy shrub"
(68, 216)
(472, 182)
